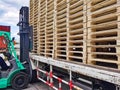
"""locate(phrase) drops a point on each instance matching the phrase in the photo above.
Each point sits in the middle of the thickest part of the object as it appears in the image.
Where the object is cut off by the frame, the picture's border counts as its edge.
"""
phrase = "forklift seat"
(13, 66)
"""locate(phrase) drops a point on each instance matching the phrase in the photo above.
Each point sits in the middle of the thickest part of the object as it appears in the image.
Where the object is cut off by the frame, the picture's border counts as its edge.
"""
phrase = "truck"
(60, 29)
(77, 40)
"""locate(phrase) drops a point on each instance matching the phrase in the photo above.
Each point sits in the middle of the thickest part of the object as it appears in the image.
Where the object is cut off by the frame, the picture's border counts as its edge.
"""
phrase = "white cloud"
(9, 13)
(10, 18)
(17, 2)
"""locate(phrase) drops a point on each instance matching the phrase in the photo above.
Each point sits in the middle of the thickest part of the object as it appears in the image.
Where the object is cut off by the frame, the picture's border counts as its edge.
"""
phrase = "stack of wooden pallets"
(103, 32)
(49, 28)
(85, 31)
(61, 29)
(77, 30)
(42, 27)
(34, 21)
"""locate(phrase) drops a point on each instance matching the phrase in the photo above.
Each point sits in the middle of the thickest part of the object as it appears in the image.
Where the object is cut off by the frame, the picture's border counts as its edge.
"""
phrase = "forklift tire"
(20, 81)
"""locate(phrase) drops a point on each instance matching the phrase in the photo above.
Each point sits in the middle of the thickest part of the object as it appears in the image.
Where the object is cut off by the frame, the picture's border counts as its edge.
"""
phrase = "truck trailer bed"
(106, 74)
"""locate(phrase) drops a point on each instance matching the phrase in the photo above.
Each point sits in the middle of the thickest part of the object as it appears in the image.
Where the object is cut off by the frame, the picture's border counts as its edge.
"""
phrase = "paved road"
(42, 86)
(37, 86)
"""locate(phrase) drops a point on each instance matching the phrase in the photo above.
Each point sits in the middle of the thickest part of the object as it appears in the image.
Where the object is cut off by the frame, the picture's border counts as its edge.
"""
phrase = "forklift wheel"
(20, 81)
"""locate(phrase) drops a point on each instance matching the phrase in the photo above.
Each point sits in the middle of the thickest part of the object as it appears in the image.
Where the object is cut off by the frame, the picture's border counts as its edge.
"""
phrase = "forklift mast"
(25, 32)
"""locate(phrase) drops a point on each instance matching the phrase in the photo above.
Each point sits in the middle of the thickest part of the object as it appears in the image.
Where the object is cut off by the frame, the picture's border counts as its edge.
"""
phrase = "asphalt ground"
(43, 86)
(35, 86)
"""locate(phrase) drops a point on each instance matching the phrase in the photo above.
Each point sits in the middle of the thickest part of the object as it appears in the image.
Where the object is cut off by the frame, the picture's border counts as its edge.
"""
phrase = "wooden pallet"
(103, 33)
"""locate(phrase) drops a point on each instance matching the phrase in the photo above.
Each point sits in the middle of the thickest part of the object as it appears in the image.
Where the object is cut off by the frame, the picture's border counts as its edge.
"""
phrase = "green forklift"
(20, 73)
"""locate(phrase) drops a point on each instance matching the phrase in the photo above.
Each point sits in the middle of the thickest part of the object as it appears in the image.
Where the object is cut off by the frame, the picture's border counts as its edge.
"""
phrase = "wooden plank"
(103, 10)
(106, 61)
(105, 25)
(102, 4)
(76, 4)
(85, 31)
(105, 32)
(78, 25)
(80, 8)
(96, 1)
(78, 20)
(103, 53)
(77, 36)
(76, 51)
(68, 33)
(61, 20)
(76, 57)
(108, 17)
(61, 12)
(103, 46)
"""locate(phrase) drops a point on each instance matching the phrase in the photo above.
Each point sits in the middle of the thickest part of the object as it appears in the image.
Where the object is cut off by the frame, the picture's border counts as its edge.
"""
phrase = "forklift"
(20, 73)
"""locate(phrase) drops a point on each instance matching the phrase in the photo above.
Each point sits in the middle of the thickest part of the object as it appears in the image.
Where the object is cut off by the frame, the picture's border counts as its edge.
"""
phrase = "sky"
(9, 14)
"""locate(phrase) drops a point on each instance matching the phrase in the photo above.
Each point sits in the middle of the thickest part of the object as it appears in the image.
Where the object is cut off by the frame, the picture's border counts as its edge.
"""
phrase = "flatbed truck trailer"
(79, 39)
(100, 78)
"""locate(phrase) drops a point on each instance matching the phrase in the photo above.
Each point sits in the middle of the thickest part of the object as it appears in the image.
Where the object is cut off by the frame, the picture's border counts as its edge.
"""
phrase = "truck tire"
(102, 85)
(34, 77)
(97, 87)
(20, 81)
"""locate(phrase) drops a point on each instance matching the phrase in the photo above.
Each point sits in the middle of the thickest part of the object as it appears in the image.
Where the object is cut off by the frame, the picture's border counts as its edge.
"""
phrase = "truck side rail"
(105, 74)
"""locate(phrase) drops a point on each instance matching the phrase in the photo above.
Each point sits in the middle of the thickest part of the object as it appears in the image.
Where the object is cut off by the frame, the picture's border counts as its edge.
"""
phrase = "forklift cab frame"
(15, 77)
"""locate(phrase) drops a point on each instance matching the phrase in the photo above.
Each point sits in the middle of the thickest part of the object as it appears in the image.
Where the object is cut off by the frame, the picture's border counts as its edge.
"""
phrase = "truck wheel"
(20, 81)
(97, 87)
